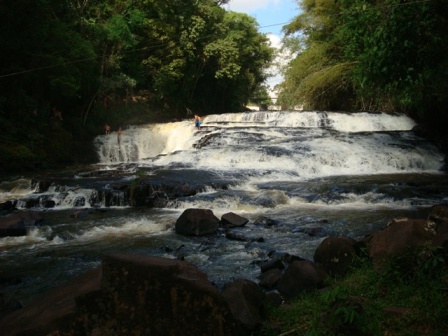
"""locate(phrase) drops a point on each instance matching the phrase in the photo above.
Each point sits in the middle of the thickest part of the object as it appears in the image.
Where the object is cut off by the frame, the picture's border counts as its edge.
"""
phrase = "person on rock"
(197, 121)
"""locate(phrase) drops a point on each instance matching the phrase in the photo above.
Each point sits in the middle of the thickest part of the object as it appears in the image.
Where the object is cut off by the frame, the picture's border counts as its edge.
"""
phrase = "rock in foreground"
(137, 295)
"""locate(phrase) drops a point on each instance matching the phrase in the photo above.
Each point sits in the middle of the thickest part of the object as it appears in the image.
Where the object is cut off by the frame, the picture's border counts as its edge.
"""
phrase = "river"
(312, 173)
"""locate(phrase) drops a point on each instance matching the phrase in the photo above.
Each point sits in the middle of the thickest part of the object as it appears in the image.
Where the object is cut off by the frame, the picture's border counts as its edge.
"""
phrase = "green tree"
(81, 55)
(239, 58)
(399, 48)
(317, 77)
(45, 62)
(387, 55)
(201, 56)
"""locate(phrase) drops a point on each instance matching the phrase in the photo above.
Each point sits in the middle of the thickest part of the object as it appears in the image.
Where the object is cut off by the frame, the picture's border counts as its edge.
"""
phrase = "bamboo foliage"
(388, 55)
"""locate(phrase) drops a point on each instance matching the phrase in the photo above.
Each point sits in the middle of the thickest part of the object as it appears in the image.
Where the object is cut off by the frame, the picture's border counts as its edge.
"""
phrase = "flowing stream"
(313, 174)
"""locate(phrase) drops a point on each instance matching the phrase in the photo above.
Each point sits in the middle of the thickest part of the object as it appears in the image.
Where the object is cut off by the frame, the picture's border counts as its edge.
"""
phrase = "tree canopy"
(84, 56)
(368, 55)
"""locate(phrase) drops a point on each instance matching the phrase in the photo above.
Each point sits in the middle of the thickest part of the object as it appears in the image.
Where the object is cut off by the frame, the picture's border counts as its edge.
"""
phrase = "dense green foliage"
(388, 55)
(409, 298)
(118, 61)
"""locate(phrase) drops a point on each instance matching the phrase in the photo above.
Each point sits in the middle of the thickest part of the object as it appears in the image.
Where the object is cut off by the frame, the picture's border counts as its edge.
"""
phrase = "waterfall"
(301, 144)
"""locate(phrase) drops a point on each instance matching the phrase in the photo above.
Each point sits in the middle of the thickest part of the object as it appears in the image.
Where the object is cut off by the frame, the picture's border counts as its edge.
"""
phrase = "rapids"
(340, 173)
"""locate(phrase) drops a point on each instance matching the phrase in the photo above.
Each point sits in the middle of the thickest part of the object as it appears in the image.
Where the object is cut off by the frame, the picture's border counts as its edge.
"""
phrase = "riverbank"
(400, 302)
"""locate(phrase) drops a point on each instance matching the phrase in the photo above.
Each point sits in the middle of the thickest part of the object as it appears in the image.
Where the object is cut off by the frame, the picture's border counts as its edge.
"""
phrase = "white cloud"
(248, 6)
(276, 41)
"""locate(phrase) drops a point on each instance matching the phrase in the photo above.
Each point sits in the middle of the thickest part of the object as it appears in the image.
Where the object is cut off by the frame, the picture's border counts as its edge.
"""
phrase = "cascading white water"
(139, 143)
(343, 122)
(305, 144)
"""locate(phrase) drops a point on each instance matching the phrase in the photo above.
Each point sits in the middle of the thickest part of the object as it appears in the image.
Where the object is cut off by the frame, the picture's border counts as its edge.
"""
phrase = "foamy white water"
(139, 143)
(305, 144)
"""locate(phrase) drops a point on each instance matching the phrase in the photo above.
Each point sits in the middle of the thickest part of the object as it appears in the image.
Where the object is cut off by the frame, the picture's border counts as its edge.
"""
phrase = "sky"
(271, 16)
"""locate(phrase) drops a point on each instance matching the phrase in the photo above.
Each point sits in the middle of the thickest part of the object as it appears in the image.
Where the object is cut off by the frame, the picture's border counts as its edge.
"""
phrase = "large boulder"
(302, 275)
(197, 222)
(52, 310)
(136, 295)
(270, 279)
(157, 296)
(401, 235)
(335, 255)
(247, 303)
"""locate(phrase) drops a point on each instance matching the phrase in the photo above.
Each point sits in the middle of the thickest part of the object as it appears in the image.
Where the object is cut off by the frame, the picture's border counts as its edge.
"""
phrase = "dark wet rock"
(273, 299)
(158, 296)
(135, 294)
(41, 186)
(197, 222)
(231, 220)
(236, 236)
(33, 202)
(205, 140)
(247, 303)
(265, 221)
(289, 258)
(9, 279)
(284, 256)
(51, 311)
(274, 263)
(155, 195)
(18, 224)
(300, 276)
(401, 235)
(49, 204)
(316, 231)
(270, 279)
(8, 305)
(8, 205)
(335, 255)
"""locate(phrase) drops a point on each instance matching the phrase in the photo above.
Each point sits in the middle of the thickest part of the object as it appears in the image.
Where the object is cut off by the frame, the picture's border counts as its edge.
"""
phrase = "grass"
(401, 301)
